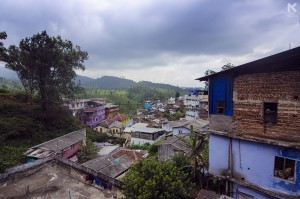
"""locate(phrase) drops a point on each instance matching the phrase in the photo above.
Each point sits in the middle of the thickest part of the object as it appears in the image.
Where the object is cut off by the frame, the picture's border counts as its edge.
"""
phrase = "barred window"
(284, 168)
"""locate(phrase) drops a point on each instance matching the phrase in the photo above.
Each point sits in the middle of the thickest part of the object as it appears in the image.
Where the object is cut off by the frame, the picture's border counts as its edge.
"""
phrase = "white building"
(196, 106)
(141, 134)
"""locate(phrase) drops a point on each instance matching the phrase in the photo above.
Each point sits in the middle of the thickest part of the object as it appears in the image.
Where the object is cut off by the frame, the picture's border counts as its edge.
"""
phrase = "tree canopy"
(46, 65)
(151, 179)
(228, 66)
(3, 36)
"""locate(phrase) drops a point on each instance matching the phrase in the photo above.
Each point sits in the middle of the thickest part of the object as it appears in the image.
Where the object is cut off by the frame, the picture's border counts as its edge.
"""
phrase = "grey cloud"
(137, 37)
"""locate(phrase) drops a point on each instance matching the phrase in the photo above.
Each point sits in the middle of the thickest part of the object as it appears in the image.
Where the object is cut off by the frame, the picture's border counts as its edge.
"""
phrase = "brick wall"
(250, 93)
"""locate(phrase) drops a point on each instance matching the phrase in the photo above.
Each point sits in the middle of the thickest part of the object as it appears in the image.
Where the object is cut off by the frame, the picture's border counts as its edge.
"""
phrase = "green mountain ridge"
(111, 82)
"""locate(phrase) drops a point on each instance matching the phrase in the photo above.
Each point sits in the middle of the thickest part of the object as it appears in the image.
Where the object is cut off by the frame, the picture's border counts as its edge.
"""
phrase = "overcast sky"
(163, 41)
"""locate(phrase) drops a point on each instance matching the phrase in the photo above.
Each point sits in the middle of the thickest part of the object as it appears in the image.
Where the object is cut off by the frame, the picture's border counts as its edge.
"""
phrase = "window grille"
(284, 168)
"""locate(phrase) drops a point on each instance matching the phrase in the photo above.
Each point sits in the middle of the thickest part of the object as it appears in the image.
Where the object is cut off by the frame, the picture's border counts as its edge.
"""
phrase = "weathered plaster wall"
(253, 162)
(72, 150)
(139, 141)
(252, 90)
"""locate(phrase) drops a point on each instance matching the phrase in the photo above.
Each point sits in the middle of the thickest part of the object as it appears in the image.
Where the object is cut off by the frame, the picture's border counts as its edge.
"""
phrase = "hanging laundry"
(97, 181)
(109, 186)
(104, 185)
(91, 178)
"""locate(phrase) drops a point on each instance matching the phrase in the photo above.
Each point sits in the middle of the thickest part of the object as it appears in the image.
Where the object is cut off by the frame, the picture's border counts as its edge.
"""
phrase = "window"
(220, 107)
(242, 195)
(270, 113)
(284, 168)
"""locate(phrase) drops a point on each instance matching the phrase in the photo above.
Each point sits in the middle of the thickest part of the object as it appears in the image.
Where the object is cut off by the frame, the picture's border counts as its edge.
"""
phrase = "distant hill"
(160, 85)
(106, 82)
(8, 74)
(110, 82)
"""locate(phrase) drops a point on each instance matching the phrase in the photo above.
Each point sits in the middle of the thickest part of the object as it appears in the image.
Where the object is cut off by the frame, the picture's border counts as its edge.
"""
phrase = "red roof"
(120, 117)
(134, 155)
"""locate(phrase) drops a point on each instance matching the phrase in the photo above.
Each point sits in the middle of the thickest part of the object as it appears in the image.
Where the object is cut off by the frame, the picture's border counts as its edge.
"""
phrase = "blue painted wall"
(254, 162)
(220, 89)
(176, 130)
(257, 195)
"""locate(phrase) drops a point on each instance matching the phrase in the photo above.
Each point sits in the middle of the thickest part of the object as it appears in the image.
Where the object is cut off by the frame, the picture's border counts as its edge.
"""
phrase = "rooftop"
(198, 124)
(120, 117)
(115, 164)
(58, 144)
(51, 180)
(287, 60)
(176, 142)
(105, 123)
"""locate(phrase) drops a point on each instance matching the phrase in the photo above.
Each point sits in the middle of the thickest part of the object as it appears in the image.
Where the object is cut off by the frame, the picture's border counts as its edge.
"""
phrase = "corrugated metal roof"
(58, 144)
(113, 165)
(284, 61)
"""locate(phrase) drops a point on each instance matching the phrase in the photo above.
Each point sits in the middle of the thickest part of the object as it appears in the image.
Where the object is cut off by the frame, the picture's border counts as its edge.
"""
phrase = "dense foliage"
(151, 179)
(3, 36)
(23, 125)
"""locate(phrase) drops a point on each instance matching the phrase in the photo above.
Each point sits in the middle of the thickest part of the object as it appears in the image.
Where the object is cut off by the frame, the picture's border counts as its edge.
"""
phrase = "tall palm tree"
(196, 144)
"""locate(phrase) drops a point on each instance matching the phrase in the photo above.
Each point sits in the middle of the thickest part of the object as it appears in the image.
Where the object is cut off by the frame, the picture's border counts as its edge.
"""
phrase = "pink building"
(65, 146)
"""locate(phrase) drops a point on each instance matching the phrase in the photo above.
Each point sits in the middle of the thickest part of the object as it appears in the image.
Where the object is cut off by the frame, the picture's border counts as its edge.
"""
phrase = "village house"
(79, 104)
(142, 134)
(115, 164)
(184, 126)
(172, 146)
(93, 116)
(75, 105)
(109, 126)
(124, 120)
(196, 104)
(254, 121)
(111, 110)
(65, 146)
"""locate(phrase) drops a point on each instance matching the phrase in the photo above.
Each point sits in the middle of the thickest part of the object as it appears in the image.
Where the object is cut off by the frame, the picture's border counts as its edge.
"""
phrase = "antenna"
(289, 46)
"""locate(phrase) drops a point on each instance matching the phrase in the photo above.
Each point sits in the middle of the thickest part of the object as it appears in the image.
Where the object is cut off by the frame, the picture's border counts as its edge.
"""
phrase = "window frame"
(266, 106)
(284, 165)
(218, 107)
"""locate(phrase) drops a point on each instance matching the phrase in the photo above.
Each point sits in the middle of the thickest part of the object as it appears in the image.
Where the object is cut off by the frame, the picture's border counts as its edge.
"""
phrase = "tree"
(227, 66)
(177, 95)
(87, 152)
(182, 162)
(206, 73)
(10, 156)
(151, 179)
(3, 36)
(196, 143)
(46, 65)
